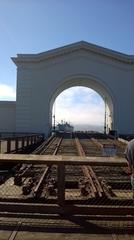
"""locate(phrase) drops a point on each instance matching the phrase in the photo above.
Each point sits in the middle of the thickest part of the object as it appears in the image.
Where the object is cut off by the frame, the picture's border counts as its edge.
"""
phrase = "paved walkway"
(56, 228)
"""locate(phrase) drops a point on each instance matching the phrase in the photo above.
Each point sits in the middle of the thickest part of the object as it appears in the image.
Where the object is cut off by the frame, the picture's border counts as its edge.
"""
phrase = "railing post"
(8, 145)
(36, 139)
(0, 146)
(27, 141)
(61, 184)
(22, 142)
(31, 140)
(16, 144)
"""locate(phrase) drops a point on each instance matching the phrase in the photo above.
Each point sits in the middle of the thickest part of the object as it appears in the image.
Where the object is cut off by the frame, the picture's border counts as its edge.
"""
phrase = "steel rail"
(57, 146)
(30, 184)
(35, 192)
(97, 143)
(102, 188)
(39, 185)
(89, 173)
(40, 149)
(22, 171)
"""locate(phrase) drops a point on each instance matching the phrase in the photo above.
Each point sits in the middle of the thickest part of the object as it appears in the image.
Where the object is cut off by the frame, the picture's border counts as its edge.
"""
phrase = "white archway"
(92, 83)
(42, 77)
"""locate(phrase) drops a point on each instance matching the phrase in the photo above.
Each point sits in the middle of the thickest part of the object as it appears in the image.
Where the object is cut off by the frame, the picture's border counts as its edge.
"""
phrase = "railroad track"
(102, 192)
(41, 177)
(82, 183)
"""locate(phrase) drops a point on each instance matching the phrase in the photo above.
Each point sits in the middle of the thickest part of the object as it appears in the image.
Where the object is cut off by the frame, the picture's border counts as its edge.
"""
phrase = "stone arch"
(90, 82)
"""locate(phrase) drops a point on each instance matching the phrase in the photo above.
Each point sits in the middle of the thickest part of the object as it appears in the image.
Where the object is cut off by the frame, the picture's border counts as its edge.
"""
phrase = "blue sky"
(32, 26)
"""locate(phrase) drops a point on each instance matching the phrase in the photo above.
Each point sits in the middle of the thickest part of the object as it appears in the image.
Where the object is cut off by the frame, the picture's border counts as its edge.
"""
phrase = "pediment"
(72, 48)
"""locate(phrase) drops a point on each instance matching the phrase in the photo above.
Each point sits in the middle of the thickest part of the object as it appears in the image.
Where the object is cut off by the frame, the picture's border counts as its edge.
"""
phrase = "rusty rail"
(94, 184)
(40, 149)
(97, 143)
(57, 147)
(37, 189)
(42, 179)
(22, 171)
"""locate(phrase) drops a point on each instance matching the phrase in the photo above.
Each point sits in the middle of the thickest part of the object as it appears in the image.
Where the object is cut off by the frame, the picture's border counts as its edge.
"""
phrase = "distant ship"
(64, 127)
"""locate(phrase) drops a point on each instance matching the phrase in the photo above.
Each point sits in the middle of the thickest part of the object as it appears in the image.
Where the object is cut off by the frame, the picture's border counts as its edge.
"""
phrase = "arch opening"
(83, 93)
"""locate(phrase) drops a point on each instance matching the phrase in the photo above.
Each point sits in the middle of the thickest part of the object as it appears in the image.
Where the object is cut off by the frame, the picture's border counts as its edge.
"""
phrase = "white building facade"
(42, 77)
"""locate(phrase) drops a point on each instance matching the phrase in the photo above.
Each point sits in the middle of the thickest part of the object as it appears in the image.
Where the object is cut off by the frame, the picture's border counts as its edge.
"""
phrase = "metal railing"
(14, 143)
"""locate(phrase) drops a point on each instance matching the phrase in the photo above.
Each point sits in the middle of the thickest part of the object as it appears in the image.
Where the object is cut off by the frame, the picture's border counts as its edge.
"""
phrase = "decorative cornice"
(75, 47)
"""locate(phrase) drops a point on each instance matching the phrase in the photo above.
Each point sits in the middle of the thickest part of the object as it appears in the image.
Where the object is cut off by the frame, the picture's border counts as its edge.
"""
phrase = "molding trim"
(75, 47)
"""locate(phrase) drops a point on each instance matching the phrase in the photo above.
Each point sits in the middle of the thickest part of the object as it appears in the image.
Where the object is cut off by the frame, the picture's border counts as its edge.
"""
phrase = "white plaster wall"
(38, 83)
(7, 116)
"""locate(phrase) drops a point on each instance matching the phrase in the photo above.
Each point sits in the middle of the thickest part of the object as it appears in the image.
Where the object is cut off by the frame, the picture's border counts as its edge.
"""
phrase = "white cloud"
(80, 105)
(7, 92)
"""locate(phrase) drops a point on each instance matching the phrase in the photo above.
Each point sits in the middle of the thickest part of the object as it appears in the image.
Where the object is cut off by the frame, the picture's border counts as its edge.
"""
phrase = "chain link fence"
(98, 191)
(85, 184)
